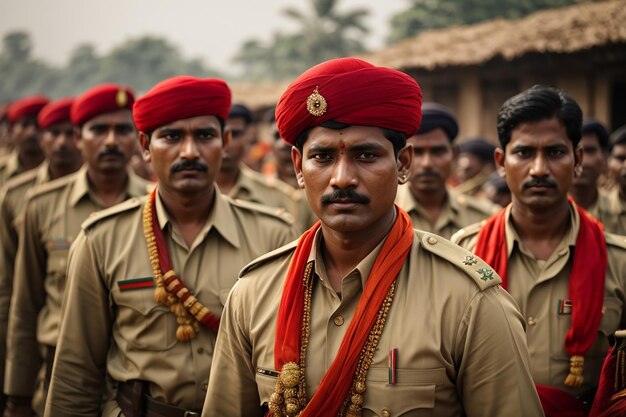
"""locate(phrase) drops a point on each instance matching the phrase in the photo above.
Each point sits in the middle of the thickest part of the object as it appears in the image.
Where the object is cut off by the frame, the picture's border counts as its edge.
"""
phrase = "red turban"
(180, 98)
(350, 91)
(105, 98)
(29, 106)
(55, 112)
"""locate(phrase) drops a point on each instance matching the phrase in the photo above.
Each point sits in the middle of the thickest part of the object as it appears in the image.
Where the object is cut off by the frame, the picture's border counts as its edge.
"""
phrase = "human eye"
(367, 156)
(556, 153)
(322, 156)
(98, 129)
(523, 153)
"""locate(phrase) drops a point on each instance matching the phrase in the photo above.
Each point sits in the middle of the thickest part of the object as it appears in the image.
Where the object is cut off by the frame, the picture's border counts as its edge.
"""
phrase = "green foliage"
(432, 14)
(323, 33)
(139, 63)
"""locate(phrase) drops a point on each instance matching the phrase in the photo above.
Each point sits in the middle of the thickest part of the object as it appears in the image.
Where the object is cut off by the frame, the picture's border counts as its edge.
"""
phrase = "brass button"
(200, 350)
(531, 321)
(338, 320)
(385, 413)
(432, 240)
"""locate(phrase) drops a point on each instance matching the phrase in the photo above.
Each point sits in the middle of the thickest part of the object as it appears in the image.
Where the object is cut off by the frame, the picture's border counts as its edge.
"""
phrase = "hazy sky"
(208, 29)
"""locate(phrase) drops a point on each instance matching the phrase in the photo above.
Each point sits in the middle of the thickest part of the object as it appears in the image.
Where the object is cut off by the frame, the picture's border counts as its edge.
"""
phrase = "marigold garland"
(170, 288)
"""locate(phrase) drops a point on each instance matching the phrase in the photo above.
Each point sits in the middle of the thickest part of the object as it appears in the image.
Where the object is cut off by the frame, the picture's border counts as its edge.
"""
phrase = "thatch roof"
(564, 30)
(257, 96)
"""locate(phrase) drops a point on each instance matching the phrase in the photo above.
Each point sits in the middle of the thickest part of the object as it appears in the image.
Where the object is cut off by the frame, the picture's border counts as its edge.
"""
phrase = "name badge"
(564, 307)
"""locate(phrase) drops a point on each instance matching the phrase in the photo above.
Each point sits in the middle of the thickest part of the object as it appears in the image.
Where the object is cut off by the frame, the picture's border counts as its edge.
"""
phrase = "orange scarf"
(335, 384)
(586, 282)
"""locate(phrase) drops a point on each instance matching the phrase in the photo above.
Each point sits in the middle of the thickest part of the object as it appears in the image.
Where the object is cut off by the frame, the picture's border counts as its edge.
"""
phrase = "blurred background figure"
(496, 190)
(474, 165)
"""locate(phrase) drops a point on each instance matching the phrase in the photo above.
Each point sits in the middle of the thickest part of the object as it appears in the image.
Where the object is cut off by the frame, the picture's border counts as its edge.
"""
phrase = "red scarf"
(338, 379)
(586, 282)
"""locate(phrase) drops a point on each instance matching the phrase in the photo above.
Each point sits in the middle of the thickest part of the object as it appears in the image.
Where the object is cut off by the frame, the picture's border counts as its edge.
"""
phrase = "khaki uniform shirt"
(614, 216)
(11, 207)
(269, 191)
(128, 336)
(459, 211)
(52, 218)
(10, 167)
(460, 340)
(473, 186)
(538, 288)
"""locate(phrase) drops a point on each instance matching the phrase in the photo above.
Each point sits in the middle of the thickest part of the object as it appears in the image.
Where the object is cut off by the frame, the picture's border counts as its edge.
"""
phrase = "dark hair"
(538, 103)
(618, 138)
(592, 125)
(397, 139)
(241, 111)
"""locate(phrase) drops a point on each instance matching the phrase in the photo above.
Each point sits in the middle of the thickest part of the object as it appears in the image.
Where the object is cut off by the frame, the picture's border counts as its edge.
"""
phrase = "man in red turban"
(565, 273)
(51, 220)
(364, 315)
(25, 137)
(152, 275)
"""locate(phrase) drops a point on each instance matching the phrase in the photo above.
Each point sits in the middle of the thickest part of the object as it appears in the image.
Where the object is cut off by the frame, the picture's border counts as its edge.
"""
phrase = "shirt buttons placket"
(531, 321)
(385, 413)
(338, 320)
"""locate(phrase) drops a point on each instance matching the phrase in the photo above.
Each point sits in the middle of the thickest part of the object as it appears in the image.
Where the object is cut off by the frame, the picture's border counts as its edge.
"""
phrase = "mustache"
(345, 196)
(426, 173)
(540, 181)
(111, 151)
(188, 165)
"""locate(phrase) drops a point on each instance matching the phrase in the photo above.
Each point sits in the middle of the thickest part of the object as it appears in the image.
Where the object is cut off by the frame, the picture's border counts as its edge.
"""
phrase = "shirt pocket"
(266, 383)
(141, 322)
(413, 394)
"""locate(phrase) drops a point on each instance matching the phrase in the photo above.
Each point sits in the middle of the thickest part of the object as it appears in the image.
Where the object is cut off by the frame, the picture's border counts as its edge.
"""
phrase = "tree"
(323, 33)
(432, 14)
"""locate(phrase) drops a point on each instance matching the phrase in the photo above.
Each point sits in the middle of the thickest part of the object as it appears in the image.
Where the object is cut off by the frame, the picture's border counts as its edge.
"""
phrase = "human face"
(618, 164)
(241, 137)
(350, 176)
(284, 164)
(59, 145)
(467, 166)
(538, 163)
(593, 163)
(107, 141)
(186, 154)
(432, 161)
(26, 134)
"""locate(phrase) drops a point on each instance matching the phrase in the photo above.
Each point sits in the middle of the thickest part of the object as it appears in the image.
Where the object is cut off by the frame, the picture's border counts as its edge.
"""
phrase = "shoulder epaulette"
(130, 204)
(276, 253)
(467, 231)
(275, 212)
(615, 240)
(50, 186)
(21, 179)
(483, 275)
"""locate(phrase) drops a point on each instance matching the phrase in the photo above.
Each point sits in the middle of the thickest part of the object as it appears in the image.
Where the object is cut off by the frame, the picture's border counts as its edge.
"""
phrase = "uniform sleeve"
(232, 387)
(78, 377)
(23, 355)
(494, 376)
(8, 240)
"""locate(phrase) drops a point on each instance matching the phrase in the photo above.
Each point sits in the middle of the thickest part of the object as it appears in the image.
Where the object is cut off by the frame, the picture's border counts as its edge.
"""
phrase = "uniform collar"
(135, 187)
(43, 173)
(363, 269)
(409, 203)
(221, 218)
(512, 237)
(247, 183)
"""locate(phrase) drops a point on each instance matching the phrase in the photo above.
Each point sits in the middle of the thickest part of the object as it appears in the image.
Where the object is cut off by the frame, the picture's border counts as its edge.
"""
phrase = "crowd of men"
(158, 259)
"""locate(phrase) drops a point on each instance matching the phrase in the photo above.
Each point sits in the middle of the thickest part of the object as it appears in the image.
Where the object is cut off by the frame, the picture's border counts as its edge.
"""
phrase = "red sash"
(335, 384)
(585, 289)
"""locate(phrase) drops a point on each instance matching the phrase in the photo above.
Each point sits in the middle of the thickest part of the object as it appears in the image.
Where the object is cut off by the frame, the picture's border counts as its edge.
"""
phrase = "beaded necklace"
(170, 288)
(289, 397)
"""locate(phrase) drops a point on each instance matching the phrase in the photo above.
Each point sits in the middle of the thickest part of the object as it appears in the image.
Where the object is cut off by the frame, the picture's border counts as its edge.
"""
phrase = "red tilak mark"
(342, 146)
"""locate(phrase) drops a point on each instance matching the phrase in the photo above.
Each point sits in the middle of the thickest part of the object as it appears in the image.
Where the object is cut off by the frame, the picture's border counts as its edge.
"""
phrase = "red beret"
(350, 91)
(181, 97)
(29, 106)
(101, 99)
(55, 112)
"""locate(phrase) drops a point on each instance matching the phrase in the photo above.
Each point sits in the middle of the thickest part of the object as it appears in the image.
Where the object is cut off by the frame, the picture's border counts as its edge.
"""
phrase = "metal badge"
(316, 104)
(121, 98)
